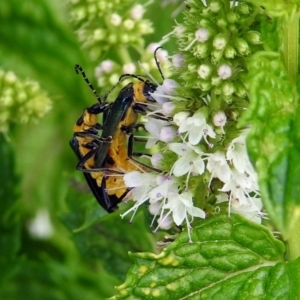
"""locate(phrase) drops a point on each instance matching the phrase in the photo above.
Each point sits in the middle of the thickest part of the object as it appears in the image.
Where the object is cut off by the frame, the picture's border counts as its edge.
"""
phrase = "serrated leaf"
(230, 258)
(273, 143)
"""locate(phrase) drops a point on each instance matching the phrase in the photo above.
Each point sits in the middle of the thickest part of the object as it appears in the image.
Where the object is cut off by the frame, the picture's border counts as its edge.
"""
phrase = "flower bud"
(202, 35)
(192, 67)
(201, 50)
(169, 86)
(229, 52)
(240, 90)
(128, 24)
(216, 80)
(216, 56)
(222, 22)
(219, 41)
(219, 119)
(242, 46)
(228, 88)
(204, 85)
(232, 17)
(137, 12)
(243, 9)
(224, 71)
(253, 37)
(129, 68)
(115, 20)
(99, 34)
(215, 6)
(204, 71)
(178, 60)
(179, 30)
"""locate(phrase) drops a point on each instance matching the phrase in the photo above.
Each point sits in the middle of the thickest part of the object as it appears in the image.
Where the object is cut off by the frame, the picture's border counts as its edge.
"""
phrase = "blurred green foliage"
(38, 168)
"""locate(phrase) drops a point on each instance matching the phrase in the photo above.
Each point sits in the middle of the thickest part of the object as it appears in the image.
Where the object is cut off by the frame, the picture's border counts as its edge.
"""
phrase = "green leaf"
(273, 142)
(230, 258)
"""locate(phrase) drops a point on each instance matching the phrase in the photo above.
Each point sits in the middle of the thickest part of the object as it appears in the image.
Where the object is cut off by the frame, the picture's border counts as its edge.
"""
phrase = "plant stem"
(290, 56)
(290, 46)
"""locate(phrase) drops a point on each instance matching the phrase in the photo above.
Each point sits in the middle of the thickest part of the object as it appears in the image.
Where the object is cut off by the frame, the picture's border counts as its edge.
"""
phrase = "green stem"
(293, 242)
(124, 55)
(290, 57)
(290, 46)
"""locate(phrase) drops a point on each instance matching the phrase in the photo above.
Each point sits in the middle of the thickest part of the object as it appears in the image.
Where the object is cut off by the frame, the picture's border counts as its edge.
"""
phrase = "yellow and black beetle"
(103, 158)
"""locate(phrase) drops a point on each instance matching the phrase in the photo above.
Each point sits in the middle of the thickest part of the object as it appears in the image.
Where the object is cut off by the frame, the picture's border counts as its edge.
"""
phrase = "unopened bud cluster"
(20, 101)
(102, 25)
(215, 43)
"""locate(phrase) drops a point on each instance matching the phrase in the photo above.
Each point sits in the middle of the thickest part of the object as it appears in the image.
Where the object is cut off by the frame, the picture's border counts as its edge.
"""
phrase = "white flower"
(250, 210)
(165, 222)
(218, 167)
(141, 184)
(196, 128)
(167, 108)
(190, 160)
(154, 127)
(164, 183)
(181, 205)
(169, 86)
(181, 117)
(155, 159)
(237, 153)
(167, 134)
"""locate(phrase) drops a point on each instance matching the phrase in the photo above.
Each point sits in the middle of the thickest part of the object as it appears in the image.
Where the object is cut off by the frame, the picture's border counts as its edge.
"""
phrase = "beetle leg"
(131, 153)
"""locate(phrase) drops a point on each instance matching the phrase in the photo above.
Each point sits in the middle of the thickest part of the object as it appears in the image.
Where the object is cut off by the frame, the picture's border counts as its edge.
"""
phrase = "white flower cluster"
(170, 202)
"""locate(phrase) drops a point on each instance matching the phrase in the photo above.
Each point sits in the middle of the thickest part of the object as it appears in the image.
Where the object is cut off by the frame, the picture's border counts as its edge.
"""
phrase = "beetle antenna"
(78, 69)
(157, 62)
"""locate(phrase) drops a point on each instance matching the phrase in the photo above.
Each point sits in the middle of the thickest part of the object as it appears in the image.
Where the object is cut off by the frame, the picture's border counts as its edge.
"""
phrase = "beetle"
(105, 158)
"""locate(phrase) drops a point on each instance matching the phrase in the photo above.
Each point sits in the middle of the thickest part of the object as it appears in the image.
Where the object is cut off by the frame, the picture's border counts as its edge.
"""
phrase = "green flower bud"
(243, 9)
(216, 56)
(215, 6)
(253, 37)
(240, 90)
(222, 22)
(242, 46)
(192, 67)
(204, 71)
(232, 17)
(204, 85)
(219, 41)
(128, 24)
(229, 52)
(99, 34)
(201, 50)
(21, 101)
(216, 80)
(228, 88)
